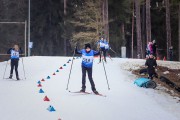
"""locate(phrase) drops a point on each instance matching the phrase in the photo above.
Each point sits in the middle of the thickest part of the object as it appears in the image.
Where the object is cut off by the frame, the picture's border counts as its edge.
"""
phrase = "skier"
(14, 52)
(101, 44)
(87, 64)
(171, 53)
(151, 65)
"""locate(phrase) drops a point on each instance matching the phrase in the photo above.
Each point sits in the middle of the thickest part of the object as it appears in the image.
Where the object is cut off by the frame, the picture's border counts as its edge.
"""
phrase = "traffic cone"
(54, 73)
(46, 98)
(57, 70)
(39, 85)
(51, 109)
(48, 77)
(164, 59)
(64, 65)
(69, 59)
(41, 91)
(39, 82)
(42, 80)
(61, 68)
(158, 58)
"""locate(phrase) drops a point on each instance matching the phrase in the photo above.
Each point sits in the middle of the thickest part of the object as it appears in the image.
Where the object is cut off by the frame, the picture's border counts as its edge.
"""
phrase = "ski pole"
(70, 69)
(23, 68)
(106, 76)
(112, 50)
(5, 69)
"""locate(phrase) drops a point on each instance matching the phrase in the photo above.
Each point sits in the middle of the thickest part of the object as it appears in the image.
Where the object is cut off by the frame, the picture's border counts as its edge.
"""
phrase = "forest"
(58, 25)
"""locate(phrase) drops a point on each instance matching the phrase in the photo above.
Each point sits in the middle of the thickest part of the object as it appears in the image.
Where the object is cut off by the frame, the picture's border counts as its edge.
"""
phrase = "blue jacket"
(14, 54)
(103, 44)
(87, 57)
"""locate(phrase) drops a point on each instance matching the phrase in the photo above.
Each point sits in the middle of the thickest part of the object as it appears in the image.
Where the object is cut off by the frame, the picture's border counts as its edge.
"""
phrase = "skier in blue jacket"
(14, 52)
(87, 64)
(102, 44)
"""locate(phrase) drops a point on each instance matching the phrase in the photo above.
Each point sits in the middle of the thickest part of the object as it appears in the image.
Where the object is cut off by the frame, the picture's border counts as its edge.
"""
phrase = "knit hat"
(87, 46)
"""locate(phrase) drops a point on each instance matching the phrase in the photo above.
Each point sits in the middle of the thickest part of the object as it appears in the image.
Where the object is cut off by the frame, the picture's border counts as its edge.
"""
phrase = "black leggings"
(89, 71)
(102, 50)
(14, 63)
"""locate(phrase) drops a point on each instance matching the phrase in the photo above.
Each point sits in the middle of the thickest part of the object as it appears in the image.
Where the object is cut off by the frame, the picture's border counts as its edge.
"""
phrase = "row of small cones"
(46, 99)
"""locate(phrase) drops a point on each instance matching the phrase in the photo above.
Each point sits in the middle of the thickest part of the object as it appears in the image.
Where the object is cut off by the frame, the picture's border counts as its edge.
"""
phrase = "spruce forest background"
(57, 25)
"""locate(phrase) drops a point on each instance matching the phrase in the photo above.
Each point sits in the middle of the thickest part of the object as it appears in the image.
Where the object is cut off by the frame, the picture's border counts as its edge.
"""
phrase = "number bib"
(102, 44)
(87, 59)
(14, 54)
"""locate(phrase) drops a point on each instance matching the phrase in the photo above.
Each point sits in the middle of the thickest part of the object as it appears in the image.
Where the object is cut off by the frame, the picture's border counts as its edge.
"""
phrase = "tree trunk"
(106, 19)
(123, 35)
(179, 31)
(138, 29)
(168, 27)
(148, 21)
(65, 43)
(144, 39)
(132, 41)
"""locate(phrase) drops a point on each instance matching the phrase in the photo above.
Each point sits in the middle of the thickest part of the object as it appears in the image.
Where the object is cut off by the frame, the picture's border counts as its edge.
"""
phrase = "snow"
(21, 100)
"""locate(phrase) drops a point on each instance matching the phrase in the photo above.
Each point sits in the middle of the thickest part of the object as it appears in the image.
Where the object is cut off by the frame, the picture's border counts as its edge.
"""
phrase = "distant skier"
(151, 65)
(14, 52)
(87, 64)
(102, 42)
(171, 53)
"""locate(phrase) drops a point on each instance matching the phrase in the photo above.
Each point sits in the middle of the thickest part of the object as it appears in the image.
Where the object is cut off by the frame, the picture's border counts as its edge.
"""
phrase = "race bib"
(14, 54)
(102, 44)
(87, 59)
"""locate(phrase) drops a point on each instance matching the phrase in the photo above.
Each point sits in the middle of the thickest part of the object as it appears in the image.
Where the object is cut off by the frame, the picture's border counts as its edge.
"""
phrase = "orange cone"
(42, 80)
(158, 58)
(164, 59)
(39, 85)
(61, 68)
(46, 98)
(54, 73)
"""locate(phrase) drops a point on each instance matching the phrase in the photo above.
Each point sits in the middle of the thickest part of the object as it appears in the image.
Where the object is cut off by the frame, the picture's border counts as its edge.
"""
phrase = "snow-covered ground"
(21, 100)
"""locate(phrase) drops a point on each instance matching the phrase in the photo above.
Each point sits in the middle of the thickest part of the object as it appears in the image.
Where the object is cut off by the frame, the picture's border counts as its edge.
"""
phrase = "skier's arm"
(146, 64)
(155, 63)
(9, 51)
(78, 51)
(20, 51)
(96, 53)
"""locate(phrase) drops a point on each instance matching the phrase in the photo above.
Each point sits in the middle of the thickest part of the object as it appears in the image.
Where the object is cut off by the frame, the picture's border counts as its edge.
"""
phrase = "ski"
(89, 93)
(80, 92)
(12, 79)
(100, 95)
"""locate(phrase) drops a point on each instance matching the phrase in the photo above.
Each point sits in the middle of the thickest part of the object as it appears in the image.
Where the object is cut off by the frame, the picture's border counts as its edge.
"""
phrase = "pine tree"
(87, 22)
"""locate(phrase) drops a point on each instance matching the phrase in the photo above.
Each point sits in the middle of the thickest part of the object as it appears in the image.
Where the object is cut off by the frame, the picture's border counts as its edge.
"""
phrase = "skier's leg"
(12, 68)
(83, 78)
(104, 54)
(16, 69)
(89, 70)
(151, 76)
(100, 55)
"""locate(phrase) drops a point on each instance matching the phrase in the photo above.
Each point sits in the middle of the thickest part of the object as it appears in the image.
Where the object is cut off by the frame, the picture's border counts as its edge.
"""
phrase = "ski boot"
(10, 77)
(95, 92)
(17, 78)
(82, 90)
